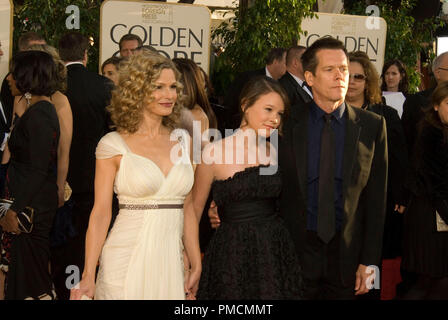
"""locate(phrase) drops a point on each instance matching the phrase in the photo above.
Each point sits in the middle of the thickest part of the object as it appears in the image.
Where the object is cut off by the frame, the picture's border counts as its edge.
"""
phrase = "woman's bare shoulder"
(60, 100)
(198, 113)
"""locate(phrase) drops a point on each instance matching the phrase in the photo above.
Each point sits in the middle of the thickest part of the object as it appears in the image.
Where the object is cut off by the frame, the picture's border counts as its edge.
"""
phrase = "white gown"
(142, 255)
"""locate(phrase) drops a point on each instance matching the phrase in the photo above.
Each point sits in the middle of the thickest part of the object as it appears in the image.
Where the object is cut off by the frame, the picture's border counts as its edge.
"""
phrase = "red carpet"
(390, 277)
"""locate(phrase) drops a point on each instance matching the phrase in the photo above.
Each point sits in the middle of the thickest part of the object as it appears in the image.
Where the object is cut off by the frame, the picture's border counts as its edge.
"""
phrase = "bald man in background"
(293, 81)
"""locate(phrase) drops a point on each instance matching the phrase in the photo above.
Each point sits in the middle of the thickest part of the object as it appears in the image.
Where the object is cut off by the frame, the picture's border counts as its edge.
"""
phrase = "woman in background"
(195, 97)
(65, 117)
(109, 69)
(31, 178)
(426, 218)
(394, 77)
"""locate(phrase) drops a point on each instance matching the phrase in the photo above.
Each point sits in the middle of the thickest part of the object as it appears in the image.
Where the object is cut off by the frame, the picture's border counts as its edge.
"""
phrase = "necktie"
(305, 85)
(307, 89)
(326, 212)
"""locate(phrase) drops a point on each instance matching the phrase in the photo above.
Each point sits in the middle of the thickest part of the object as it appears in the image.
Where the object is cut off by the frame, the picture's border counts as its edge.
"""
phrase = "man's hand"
(399, 208)
(10, 223)
(363, 278)
(213, 215)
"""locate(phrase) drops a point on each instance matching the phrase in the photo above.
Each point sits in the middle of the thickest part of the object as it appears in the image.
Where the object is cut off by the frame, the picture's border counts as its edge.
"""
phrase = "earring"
(28, 97)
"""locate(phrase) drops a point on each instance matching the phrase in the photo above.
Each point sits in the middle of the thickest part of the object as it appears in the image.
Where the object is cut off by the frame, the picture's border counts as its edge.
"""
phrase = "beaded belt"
(149, 206)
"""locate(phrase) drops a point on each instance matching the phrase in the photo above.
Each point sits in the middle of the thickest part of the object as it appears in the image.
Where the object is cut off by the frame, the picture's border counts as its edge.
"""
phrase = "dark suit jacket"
(231, 100)
(295, 92)
(4, 127)
(88, 94)
(397, 151)
(7, 101)
(412, 114)
(364, 182)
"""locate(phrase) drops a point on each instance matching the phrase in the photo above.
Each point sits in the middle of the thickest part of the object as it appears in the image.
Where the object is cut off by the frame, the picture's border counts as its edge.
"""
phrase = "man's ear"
(243, 107)
(309, 78)
(85, 59)
(436, 74)
(295, 62)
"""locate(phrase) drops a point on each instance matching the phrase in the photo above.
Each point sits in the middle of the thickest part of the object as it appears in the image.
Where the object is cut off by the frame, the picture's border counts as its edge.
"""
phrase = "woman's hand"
(85, 288)
(10, 223)
(192, 283)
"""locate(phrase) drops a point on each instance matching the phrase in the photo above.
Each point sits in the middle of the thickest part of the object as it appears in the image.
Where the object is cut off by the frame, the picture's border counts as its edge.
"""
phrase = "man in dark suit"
(414, 104)
(128, 44)
(293, 81)
(275, 68)
(88, 94)
(334, 157)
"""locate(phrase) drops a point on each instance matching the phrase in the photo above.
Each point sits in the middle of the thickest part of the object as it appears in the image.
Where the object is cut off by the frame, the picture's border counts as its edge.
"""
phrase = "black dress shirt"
(316, 124)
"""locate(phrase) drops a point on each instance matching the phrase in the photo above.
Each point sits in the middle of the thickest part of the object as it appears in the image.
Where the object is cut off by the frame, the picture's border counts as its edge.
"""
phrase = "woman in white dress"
(142, 257)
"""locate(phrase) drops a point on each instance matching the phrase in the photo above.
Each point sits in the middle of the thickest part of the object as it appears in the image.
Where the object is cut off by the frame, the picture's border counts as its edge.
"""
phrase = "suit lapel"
(300, 145)
(303, 94)
(352, 131)
(291, 80)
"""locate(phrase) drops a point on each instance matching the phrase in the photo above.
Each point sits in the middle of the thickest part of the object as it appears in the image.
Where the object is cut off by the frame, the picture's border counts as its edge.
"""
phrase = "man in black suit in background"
(88, 94)
(293, 81)
(414, 104)
(275, 68)
(129, 44)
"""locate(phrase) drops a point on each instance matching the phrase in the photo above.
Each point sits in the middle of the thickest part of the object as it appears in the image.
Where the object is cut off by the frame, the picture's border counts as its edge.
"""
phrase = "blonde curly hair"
(136, 83)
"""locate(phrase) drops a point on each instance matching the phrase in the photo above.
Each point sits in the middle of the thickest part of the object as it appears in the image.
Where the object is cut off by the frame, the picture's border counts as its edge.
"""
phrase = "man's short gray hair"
(438, 61)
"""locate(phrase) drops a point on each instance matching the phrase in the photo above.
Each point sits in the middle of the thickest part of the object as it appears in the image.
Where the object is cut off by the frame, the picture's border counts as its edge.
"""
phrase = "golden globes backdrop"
(175, 30)
(6, 8)
(367, 34)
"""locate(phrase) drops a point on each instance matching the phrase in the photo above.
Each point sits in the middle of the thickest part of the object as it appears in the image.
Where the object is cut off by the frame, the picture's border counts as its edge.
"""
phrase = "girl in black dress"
(425, 249)
(251, 255)
(31, 179)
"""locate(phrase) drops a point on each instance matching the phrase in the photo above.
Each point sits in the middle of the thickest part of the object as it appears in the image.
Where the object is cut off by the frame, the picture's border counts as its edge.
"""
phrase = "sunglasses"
(358, 76)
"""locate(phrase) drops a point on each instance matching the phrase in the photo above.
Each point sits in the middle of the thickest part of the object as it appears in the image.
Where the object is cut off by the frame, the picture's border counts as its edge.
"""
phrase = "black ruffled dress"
(251, 254)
